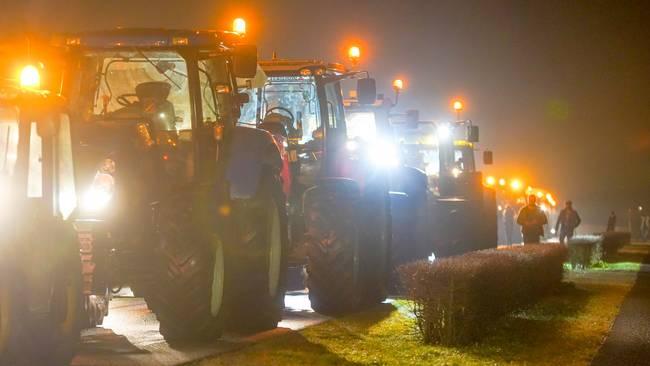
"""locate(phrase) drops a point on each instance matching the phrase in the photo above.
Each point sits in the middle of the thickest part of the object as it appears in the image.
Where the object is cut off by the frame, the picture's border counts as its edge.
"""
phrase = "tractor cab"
(300, 102)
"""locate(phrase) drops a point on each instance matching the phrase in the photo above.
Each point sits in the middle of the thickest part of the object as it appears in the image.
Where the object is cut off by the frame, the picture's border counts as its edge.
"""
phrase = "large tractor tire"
(41, 324)
(190, 267)
(259, 258)
(375, 240)
(348, 239)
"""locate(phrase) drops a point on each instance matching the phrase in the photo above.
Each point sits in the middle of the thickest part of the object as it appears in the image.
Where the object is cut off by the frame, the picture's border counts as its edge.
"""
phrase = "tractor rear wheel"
(259, 259)
(333, 250)
(375, 241)
(190, 269)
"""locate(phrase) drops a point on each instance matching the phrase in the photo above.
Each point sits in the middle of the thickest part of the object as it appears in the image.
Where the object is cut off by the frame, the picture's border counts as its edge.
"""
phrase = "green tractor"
(337, 187)
(142, 183)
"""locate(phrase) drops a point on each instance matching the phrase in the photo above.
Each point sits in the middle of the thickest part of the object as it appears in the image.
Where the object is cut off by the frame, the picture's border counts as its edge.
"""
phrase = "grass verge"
(566, 328)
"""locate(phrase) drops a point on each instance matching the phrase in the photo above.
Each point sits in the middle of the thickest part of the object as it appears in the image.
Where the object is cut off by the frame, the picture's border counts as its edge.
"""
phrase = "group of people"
(532, 220)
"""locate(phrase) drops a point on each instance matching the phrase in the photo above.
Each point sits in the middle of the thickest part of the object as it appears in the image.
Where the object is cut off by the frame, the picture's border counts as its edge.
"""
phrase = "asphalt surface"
(628, 343)
(130, 337)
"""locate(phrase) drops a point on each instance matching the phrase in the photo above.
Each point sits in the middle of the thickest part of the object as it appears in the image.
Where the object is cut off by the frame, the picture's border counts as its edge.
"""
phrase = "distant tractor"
(439, 204)
(439, 164)
(126, 167)
(339, 210)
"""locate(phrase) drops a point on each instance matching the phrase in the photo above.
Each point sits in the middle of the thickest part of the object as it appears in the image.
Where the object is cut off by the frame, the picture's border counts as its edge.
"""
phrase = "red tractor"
(339, 209)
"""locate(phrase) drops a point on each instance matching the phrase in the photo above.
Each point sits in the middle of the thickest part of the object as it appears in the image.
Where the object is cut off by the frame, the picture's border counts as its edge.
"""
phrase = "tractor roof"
(280, 67)
(151, 38)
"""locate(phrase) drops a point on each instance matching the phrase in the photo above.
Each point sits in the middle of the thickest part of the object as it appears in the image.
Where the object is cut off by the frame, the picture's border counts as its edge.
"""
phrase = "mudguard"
(251, 150)
(409, 180)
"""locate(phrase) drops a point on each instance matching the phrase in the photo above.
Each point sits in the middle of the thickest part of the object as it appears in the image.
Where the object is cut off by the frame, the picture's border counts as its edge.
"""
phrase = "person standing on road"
(532, 220)
(509, 223)
(567, 222)
(611, 222)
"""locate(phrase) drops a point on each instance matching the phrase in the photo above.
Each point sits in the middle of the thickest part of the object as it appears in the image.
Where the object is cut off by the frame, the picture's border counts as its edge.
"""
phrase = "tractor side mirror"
(245, 61)
(488, 159)
(472, 134)
(366, 91)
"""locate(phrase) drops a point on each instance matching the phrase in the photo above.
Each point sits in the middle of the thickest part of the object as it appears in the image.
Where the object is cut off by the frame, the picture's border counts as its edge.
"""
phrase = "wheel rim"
(5, 311)
(275, 252)
(218, 273)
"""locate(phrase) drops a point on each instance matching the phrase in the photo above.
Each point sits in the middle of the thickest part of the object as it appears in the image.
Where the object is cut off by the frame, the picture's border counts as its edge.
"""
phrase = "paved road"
(628, 343)
(129, 336)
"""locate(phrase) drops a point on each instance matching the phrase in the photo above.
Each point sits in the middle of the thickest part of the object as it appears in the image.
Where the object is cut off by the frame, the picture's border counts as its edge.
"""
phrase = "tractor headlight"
(383, 154)
(100, 193)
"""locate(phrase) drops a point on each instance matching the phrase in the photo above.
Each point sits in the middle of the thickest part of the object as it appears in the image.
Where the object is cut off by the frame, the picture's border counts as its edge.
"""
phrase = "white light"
(499, 208)
(553, 231)
(352, 145)
(100, 193)
(444, 132)
(544, 207)
(432, 257)
(162, 115)
(383, 154)
(456, 172)
(361, 125)
(67, 203)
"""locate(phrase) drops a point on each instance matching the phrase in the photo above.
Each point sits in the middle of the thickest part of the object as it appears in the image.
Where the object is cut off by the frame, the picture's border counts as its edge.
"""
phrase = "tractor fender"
(332, 188)
(251, 151)
(411, 181)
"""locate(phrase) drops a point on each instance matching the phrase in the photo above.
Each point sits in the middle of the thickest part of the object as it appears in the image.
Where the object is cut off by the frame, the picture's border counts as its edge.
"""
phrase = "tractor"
(439, 167)
(337, 186)
(439, 204)
(127, 168)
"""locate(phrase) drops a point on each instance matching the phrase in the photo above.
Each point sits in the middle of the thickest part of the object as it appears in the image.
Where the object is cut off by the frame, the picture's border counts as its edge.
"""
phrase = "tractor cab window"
(137, 84)
(361, 125)
(464, 157)
(295, 98)
(335, 111)
(215, 90)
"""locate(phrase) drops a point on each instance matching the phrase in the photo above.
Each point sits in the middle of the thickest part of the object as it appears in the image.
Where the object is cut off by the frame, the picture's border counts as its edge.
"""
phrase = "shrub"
(585, 251)
(613, 241)
(454, 299)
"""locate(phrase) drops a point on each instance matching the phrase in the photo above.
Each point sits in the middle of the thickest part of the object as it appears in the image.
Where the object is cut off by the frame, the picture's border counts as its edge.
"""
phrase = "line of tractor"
(178, 163)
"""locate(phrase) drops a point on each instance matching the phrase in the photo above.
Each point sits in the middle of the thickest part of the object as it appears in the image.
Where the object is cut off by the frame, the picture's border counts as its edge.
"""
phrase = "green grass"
(566, 328)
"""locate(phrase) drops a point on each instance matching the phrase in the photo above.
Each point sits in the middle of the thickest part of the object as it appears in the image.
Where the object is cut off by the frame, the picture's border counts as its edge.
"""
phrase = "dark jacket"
(569, 219)
(532, 220)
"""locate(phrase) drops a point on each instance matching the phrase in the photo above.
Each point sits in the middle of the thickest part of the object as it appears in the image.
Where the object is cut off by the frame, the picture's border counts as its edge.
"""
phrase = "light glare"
(30, 77)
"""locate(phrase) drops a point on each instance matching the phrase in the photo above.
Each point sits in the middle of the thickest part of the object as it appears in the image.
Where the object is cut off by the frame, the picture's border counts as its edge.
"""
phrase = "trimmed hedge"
(585, 251)
(613, 241)
(454, 299)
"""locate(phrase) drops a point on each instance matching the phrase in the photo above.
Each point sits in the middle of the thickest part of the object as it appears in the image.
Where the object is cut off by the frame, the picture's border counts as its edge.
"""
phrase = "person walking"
(567, 222)
(611, 222)
(532, 220)
(509, 223)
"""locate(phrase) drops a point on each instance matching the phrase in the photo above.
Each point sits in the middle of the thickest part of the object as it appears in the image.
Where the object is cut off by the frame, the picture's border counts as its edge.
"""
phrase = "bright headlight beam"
(383, 154)
(444, 132)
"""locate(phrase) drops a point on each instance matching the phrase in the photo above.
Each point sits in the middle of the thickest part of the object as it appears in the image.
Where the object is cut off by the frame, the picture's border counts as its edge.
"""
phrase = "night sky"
(561, 89)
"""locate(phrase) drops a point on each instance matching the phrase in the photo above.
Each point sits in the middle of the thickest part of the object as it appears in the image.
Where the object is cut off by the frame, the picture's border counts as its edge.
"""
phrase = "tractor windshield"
(136, 84)
(292, 96)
